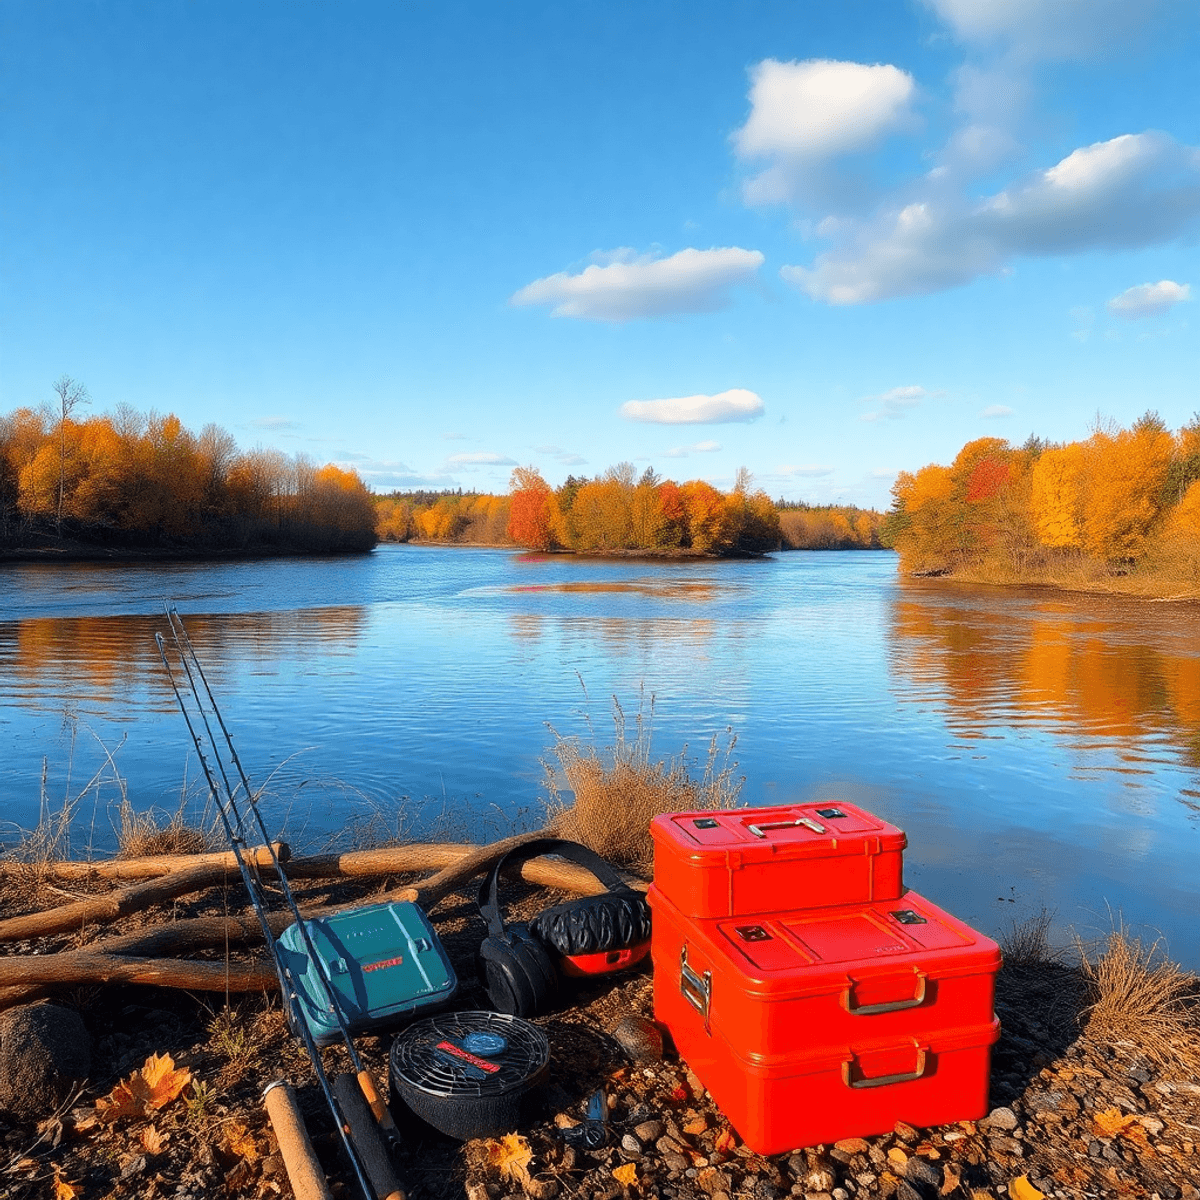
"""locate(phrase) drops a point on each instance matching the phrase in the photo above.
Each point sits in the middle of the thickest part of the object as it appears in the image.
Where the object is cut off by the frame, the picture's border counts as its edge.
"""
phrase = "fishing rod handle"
(295, 1148)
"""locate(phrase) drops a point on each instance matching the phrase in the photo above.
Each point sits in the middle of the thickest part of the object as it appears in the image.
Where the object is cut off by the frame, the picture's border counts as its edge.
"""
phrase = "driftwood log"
(87, 966)
(149, 867)
(149, 955)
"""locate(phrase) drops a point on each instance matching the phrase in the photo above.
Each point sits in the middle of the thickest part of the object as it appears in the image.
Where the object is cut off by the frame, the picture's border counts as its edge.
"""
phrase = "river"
(1041, 750)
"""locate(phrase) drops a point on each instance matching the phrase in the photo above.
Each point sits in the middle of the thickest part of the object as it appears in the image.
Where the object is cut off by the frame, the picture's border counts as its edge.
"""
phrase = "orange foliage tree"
(532, 510)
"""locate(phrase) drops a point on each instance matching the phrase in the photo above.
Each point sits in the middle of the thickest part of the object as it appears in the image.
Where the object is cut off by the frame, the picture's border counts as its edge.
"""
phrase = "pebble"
(852, 1146)
(640, 1038)
(922, 1171)
(905, 1132)
(649, 1131)
(631, 1145)
(1001, 1118)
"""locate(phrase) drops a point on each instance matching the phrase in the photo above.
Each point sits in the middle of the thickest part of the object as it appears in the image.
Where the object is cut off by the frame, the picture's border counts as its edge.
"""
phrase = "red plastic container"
(830, 1093)
(813, 1025)
(744, 861)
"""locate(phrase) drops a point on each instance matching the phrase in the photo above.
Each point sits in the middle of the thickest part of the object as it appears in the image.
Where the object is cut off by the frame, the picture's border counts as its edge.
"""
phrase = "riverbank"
(1080, 1106)
(1086, 578)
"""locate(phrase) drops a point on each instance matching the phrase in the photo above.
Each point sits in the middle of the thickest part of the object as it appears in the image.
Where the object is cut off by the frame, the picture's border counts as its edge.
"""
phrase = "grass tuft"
(614, 794)
(143, 834)
(1138, 994)
(1027, 943)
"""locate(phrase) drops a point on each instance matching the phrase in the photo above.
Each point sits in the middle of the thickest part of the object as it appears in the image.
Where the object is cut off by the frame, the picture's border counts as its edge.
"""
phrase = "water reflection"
(1100, 682)
(100, 660)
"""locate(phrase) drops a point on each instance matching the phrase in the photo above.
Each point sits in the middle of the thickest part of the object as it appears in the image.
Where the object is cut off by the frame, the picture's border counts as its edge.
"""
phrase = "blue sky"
(825, 241)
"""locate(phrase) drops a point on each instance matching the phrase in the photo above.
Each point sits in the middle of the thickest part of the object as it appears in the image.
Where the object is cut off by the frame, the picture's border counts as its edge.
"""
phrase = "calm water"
(1039, 750)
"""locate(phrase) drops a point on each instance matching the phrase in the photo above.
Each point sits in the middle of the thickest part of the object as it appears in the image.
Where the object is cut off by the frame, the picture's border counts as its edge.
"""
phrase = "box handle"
(884, 1080)
(695, 989)
(807, 822)
(867, 1010)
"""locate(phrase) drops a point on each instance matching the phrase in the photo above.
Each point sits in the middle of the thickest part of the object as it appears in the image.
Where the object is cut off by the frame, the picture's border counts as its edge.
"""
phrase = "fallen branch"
(149, 867)
(112, 906)
(86, 966)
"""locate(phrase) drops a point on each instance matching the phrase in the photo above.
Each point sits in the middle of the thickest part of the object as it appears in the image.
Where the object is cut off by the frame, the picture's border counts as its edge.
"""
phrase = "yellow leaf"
(1111, 1122)
(64, 1190)
(156, 1084)
(699, 1125)
(511, 1156)
(625, 1175)
(153, 1142)
(163, 1080)
(240, 1141)
(1021, 1189)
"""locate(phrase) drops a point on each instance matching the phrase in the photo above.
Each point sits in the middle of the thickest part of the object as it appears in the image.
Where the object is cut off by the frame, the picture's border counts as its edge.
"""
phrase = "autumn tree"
(1056, 499)
(71, 394)
(531, 515)
(1127, 472)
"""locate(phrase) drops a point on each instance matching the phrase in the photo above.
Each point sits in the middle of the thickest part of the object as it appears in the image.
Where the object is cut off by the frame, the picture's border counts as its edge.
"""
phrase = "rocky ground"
(1071, 1115)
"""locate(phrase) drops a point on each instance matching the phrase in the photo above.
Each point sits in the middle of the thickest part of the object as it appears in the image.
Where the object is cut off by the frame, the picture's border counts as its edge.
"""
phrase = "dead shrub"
(1027, 943)
(144, 834)
(607, 799)
(1138, 994)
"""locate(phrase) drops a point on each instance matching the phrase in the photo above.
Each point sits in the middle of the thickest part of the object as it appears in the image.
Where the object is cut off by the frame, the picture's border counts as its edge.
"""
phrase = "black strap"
(603, 870)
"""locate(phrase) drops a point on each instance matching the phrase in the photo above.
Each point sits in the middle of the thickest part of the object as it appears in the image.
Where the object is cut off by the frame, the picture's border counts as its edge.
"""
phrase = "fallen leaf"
(679, 1094)
(1021, 1189)
(1111, 1122)
(726, 1143)
(699, 1125)
(154, 1142)
(148, 1089)
(626, 1175)
(64, 1190)
(240, 1141)
(897, 1158)
(951, 1178)
(511, 1156)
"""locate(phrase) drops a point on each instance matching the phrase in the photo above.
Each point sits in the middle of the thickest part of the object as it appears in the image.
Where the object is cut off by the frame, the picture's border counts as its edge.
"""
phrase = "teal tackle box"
(384, 963)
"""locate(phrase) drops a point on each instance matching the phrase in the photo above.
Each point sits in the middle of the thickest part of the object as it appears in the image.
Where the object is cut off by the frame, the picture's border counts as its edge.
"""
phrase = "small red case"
(738, 862)
(813, 1025)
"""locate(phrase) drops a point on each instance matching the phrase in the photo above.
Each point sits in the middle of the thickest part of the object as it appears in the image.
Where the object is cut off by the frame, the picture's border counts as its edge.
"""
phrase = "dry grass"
(1138, 994)
(1027, 943)
(142, 834)
(607, 799)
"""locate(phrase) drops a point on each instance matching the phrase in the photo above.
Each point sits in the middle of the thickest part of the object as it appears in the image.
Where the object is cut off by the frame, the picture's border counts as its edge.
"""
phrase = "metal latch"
(909, 916)
(830, 814)
(705, 823)
(695, 989)
(752, 933)
(807, 822)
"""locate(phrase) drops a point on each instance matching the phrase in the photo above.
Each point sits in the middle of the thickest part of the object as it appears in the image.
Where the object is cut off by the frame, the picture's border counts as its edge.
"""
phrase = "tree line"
(144, 481)
(622, 511)
(1121, 500)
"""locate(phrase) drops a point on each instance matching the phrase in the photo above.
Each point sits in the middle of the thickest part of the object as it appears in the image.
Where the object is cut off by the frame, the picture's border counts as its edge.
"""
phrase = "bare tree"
(70, 396)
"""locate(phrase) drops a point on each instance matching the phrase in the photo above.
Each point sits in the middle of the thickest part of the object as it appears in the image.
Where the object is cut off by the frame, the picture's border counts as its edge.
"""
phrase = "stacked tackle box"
(814, 996)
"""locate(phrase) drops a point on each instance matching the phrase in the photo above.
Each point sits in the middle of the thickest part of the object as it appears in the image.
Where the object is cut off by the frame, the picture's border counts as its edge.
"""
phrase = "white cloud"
(480, 459)
(803, 114)
(628, 287)
(895, 402)
(1044, 28)
(382, 475)
(1149, 299)
(695, 448)
(996, 410)
(1134, 190)
(737, 404)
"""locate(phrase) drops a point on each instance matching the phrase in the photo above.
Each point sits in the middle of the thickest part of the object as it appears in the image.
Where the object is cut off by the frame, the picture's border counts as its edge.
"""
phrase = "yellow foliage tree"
(1056, 496)
(1127, 471)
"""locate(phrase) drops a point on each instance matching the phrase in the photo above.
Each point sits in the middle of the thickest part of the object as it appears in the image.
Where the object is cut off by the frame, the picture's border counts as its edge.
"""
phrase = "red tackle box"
(740, 862)
(811, 1025)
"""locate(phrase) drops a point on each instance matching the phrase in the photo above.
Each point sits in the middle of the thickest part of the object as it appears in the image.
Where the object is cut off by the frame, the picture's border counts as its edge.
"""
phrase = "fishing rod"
(224, 796)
